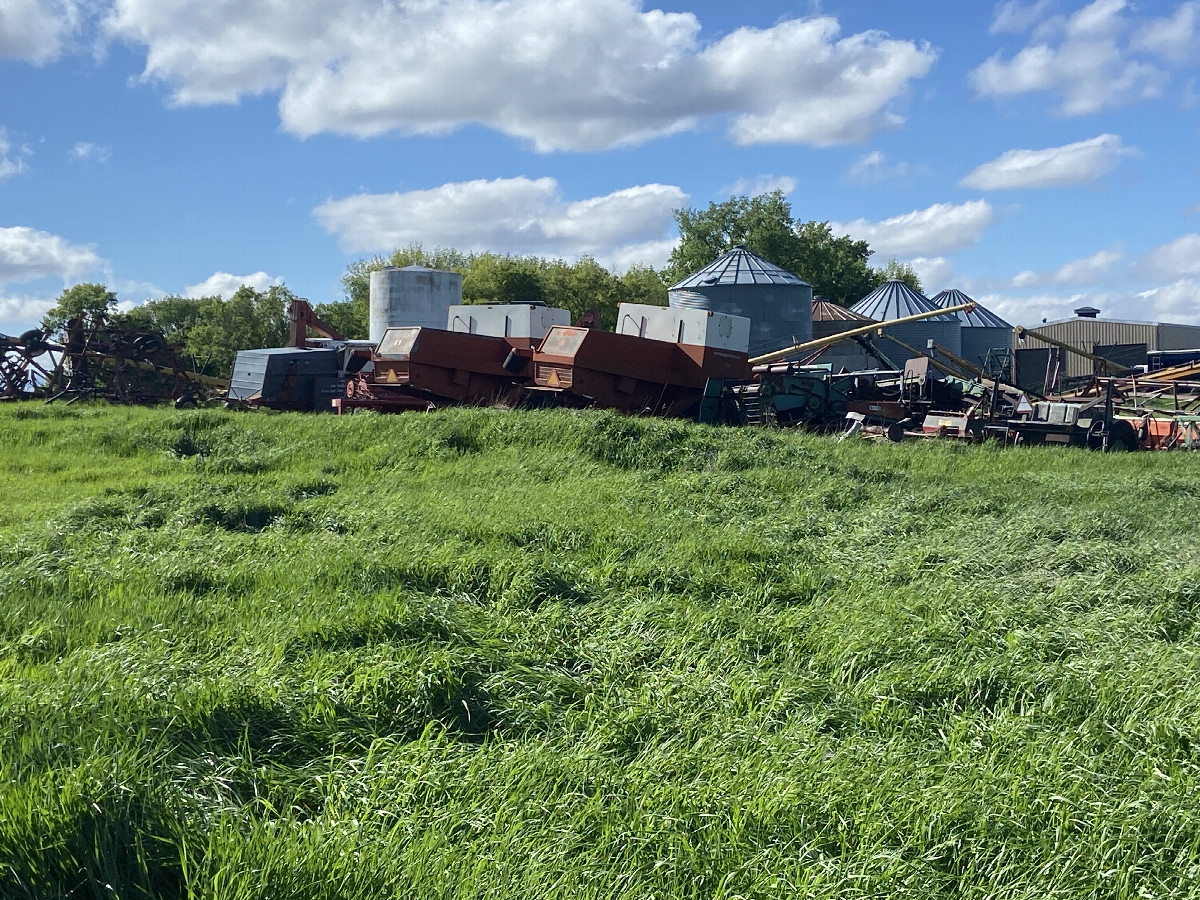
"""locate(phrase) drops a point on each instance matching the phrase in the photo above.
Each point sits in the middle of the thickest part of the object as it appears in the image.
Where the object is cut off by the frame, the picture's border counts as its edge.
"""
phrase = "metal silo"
(895, 299)
(413, 295)
(982, 329)
(777, 303)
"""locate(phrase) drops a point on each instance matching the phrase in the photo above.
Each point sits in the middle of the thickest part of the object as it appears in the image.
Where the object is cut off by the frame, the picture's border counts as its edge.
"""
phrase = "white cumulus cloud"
(27, 254)
(511, 215)
(1173, 37)
(936, 230)
(1175, 302)
(86, 151)
(1088, 61)
(936, 273)
(19, 313)
(873, 167)
(35, 30)
(1179, 258)
(1014, 17)
(222, 284)
(12, 159)
(1075, 163)
(562, 74)
(1093, 269)
(763, 184)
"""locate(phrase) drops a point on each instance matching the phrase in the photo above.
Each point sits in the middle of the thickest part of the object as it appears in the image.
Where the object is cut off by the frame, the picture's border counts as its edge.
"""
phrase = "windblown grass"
(557, 654)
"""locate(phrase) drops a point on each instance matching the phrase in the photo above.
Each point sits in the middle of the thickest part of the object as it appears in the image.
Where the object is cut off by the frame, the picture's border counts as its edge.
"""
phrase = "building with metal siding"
(1088, 333)
(982, 329)
(894, 300)
(777, 303)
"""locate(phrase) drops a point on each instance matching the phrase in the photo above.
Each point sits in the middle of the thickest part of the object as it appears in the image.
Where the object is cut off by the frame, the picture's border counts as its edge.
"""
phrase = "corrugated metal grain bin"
(777, 303)
(982, 329)
(894, 300)
(286, 378)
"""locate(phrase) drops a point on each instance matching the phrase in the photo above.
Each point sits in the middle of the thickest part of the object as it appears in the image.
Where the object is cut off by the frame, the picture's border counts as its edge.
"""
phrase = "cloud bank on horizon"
(1060, 116)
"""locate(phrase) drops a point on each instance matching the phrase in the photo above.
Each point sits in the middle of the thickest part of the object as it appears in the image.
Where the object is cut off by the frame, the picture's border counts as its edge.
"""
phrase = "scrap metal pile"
(95, 356)
(664, 361)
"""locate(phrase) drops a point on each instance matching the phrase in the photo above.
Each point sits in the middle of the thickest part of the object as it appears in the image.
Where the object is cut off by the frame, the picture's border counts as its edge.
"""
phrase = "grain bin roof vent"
(1087, 312)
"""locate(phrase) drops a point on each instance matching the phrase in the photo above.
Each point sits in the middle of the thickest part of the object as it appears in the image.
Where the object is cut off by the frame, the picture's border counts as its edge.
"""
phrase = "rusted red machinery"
(98, 356)
(415, 367)
(658, 362)
(588, 367)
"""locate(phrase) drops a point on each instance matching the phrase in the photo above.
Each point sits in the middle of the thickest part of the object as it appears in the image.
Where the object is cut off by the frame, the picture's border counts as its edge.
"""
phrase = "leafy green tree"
(898, 271)
(248, 320)
(835, 266)
(171, 316)
(81, 300)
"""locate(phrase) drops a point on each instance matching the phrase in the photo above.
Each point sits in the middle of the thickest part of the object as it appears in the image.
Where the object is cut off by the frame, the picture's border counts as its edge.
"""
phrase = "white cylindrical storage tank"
(413, 295)
(895, 300)
(982, 329)
(777, 303)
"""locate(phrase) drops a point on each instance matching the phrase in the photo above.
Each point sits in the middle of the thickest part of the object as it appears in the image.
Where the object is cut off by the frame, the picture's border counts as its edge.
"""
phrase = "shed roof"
(738, 266)
(979, 317)
(894, 300)
(828, 311)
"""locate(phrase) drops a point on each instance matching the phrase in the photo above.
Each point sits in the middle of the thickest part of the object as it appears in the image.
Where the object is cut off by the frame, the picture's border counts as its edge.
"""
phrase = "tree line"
(208, 331)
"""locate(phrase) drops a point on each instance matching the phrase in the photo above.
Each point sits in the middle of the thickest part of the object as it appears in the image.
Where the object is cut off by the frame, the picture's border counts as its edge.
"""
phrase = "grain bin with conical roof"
(982, 329)
(777, 303)
(895, 300)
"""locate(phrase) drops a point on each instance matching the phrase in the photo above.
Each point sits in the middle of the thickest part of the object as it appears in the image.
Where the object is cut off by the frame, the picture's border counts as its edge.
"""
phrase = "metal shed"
(982, 329)
(894, 300)
(287, 378)
(777, 303)
(1121, 341)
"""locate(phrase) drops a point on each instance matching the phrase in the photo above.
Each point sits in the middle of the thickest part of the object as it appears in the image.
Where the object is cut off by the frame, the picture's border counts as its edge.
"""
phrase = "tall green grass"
(563, 654)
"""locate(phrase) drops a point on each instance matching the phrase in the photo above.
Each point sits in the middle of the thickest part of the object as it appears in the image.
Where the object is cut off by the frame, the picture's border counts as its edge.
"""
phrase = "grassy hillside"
(487, 655)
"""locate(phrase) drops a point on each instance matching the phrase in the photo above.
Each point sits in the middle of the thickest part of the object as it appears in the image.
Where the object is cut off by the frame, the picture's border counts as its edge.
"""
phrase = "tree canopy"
(86, 299)
(835, 266)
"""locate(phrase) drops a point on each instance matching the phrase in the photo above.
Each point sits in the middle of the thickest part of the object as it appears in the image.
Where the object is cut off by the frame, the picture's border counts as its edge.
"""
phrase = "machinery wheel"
(1123, 436)
(34, 341)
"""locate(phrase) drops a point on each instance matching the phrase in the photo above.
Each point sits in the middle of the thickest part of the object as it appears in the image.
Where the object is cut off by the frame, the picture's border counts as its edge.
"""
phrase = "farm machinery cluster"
(693, 362)
(742, 343)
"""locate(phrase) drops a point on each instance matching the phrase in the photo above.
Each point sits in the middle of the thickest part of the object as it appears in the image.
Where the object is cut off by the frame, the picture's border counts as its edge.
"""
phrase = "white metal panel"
(699, 327)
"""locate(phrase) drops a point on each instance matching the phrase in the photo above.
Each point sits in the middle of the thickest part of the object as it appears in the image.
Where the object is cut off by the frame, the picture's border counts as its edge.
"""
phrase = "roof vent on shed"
(1087, 312)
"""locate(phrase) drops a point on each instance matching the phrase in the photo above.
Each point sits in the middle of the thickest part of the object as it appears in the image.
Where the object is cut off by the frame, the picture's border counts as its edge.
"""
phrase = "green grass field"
(478, 654)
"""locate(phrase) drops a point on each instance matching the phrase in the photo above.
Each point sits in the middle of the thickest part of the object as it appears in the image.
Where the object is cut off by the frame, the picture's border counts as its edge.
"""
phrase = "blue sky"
(1037, 155)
